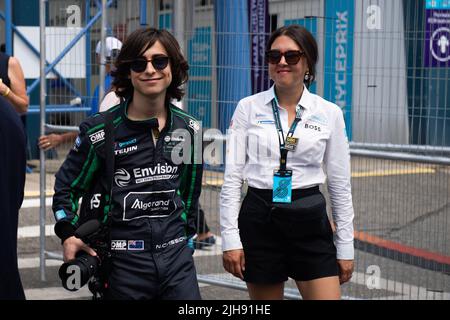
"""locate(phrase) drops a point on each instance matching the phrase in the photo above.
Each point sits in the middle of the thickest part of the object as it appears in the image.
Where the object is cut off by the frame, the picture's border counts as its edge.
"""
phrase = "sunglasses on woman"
(159, 62)
(291, 56)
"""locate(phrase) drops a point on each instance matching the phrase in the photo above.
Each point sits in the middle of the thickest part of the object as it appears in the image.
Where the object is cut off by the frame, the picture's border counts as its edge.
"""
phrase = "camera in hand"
(75, 273)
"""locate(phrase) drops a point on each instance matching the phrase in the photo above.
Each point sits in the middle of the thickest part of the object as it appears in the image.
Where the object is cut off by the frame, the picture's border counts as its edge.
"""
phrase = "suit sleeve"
(337, 166)
(72, 181)
(192, 185)
(230, 195)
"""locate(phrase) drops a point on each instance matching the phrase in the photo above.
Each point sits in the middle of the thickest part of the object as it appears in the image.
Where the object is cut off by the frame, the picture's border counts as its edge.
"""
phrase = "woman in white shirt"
(286, 142)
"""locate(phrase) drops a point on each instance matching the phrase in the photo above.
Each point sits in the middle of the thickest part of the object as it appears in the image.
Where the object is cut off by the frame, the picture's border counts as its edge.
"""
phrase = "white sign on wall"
(73, 65)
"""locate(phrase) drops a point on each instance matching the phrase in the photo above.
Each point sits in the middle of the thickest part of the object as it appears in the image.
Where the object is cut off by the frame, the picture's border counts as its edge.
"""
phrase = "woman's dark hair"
(134, 46)
(305, 41)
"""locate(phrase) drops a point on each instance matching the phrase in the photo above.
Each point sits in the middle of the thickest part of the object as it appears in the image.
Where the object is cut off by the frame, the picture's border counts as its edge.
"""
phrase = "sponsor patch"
(126, 143)
(97, 136)
(77, 142)
(135, 245)
(194, 125)
(95, 201)
(155, 173)
(60, 214)
(266, 122)
(318, 119)
(151, 204)
(170, 243)
(122, 177)
(118, 245)
(125, 150)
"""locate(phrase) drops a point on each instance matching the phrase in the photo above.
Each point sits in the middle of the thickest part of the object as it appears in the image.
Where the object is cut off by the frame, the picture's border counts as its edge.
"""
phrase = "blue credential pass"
(282, 186)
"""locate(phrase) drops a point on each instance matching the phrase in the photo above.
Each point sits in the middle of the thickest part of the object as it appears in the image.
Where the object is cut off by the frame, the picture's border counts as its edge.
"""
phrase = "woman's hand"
(345, 270)
(234, 262)
(3, 87)
(72, 245)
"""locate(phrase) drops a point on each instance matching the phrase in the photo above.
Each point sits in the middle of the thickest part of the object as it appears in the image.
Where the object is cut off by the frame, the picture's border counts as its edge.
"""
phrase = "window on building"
(165, 5)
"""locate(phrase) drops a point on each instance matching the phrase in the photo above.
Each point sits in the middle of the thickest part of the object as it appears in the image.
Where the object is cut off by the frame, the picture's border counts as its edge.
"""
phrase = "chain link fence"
(377, 61)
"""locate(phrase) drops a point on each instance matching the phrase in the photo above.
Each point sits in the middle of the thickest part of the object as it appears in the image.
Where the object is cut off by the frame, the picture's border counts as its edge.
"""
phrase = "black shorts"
(279, 244)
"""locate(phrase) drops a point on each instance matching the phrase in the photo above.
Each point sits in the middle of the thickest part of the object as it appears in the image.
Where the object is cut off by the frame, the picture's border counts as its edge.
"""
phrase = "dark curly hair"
(136, 44)
(305, 40)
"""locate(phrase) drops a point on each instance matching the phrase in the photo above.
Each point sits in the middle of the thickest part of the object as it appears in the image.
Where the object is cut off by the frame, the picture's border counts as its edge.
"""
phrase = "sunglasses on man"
(158, 61)
(291, 56)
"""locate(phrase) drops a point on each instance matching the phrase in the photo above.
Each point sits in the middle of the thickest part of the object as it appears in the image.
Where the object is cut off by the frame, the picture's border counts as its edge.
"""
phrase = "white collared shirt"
(253, 153)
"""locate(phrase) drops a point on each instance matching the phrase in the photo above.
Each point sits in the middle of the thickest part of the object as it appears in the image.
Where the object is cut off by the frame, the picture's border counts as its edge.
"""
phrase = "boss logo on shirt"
(312, 126)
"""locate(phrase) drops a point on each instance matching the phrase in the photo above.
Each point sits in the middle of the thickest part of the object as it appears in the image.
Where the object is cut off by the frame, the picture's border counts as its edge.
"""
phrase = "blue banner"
(199, 101)
(437, 38)
(199, 53)
(437, 4)
(339, 20)
(259, 20)
(199, 84)
(233, 60)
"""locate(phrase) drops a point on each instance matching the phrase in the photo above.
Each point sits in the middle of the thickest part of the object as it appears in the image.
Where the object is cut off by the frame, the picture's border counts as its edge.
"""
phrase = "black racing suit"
(154, 201)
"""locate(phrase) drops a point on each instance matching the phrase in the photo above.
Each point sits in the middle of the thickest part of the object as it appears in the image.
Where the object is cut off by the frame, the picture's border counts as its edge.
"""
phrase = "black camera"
(75, 273)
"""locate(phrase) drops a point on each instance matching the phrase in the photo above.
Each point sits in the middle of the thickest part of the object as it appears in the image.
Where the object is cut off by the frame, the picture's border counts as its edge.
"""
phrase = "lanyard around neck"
(281, 139)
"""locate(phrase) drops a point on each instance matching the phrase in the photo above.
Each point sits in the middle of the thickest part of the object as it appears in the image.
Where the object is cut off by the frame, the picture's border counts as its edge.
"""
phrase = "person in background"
(112, 50)
(113, 46)
(12, 83)
(286, 142)
(204, 237)
(12, 182)
(13, 88)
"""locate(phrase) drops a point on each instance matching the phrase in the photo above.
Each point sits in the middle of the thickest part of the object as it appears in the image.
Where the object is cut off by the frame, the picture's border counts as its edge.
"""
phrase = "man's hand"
(345, 270)
(234, 262)
(72, 245)
(50, 141)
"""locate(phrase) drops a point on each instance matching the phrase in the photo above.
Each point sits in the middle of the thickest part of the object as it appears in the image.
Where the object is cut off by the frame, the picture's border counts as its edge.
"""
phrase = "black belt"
(266, 194)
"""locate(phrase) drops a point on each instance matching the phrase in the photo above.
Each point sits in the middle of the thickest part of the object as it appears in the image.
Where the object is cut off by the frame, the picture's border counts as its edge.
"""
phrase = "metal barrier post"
(178, 28)
(42, 188)
(101, 89)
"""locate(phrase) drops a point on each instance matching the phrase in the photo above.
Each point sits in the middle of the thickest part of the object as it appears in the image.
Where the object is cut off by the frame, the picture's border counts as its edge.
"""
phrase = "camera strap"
(109, 163)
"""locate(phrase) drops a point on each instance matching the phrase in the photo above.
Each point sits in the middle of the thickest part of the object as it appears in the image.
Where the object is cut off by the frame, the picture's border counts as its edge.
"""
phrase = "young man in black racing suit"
(157, 180)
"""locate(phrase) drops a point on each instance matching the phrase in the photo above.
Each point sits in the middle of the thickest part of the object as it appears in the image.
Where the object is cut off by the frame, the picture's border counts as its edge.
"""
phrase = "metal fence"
(377, 61)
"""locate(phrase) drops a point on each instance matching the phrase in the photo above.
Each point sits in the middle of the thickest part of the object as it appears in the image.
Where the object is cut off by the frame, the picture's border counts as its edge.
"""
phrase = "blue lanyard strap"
(281, 139)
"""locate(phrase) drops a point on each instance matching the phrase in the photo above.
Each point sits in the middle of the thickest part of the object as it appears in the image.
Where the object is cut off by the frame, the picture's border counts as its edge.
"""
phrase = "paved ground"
(405, 205)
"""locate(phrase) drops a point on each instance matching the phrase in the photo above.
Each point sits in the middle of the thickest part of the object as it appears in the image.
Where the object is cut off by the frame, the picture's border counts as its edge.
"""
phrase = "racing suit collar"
(147, 124)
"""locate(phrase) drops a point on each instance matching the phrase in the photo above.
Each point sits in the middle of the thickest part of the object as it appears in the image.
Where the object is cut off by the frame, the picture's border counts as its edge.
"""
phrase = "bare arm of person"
(17, 93)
